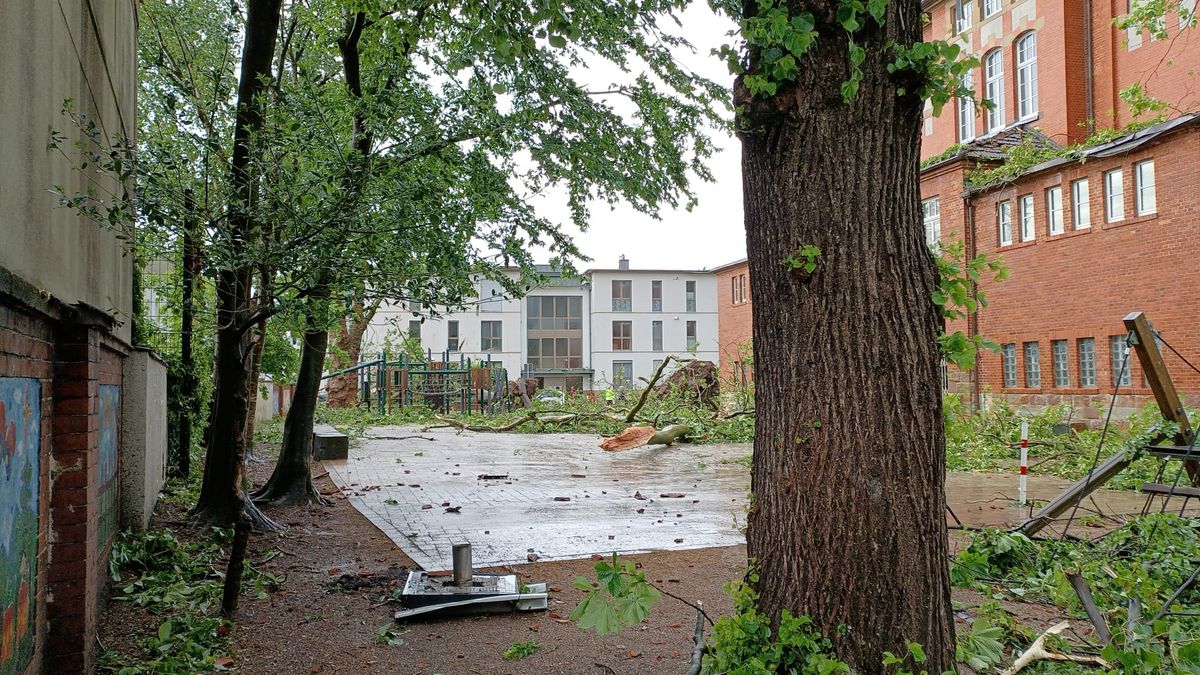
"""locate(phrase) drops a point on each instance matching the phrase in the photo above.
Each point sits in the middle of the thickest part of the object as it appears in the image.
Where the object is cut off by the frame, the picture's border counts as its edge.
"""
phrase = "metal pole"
(462, 564)
(1021, 492)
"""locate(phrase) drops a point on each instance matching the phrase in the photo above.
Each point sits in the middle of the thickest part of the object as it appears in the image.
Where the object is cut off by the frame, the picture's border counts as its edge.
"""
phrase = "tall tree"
(848, 518)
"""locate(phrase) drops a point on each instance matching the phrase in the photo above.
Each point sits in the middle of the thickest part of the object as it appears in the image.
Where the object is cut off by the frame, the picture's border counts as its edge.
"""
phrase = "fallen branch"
(698, 638)
(636, 437)
(641, 402)
(1037, 652)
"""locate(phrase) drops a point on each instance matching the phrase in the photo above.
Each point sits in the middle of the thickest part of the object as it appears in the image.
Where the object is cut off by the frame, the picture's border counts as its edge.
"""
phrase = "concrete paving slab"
(555, 496)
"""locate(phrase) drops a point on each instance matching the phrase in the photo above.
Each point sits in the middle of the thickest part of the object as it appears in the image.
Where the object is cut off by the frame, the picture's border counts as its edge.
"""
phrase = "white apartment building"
(611, 327)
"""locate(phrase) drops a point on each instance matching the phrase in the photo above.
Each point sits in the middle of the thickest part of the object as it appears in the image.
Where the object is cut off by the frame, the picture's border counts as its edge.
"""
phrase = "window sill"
(1135, 220)
(1069, 234)
(1017, 244)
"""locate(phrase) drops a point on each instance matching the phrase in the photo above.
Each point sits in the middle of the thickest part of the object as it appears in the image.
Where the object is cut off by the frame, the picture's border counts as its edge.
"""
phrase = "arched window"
(966, 110)
(993, 75)
(1027, 96)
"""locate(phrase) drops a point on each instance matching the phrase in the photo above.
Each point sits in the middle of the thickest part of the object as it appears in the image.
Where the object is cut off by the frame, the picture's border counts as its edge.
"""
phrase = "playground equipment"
(462, 386)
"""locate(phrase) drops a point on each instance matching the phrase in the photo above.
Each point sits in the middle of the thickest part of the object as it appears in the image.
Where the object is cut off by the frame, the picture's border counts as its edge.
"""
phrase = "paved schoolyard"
(554, 496)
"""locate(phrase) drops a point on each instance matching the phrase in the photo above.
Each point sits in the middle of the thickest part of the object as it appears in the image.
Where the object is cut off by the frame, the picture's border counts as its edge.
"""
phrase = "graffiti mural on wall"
(110, 419)
(20, 443)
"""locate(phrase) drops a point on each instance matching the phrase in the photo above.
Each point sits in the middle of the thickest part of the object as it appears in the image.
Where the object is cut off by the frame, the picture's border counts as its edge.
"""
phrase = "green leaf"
(558, 41)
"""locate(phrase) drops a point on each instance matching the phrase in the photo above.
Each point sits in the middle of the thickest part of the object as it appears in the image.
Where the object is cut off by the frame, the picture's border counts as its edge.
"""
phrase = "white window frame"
(1027, 80)
(1187, 13)
(1145, 195)
(931, 214)
(1004, 216)
(966, 111)
(1114, 187)
(1081, 204)
(1028, 218)
(993, 75)
(1054, 210)
(992, 7)
(964, 15)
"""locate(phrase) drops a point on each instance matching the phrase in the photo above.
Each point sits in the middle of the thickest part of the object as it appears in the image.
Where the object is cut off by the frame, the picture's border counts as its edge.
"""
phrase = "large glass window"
(1086, 348)
(622, 336)
(452, 336)
(414, 330)
(1114, 195)
(622, 296)
(964, 14)
(692, 342)
(1028, 226)
(1027, 95)
(1008, 355)
(1062, 372)
(1081, 206)
(622, 374)
(993, 74)
(991, 7)
(555, 353)
(1054, 210)
(1033, 366)
(966, 110)
(490, 336)
(656, 341)
(690, 296)
(554, 312)
(1004, 214)
(1120, 365)
(1145, 198)
(932, 212)
(656, 295)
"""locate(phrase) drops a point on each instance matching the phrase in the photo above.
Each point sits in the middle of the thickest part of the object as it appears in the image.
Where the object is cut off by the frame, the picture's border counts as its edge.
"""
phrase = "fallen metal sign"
(464, 592)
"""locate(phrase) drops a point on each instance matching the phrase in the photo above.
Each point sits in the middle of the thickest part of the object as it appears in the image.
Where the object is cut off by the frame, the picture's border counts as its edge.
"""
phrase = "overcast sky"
(712, 233)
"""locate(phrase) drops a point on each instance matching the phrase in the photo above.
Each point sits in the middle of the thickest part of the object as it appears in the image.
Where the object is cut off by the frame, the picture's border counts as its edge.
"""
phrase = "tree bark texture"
(258, 340)
(221, 496)
(291, 481)
(343, 389)
(847, 524)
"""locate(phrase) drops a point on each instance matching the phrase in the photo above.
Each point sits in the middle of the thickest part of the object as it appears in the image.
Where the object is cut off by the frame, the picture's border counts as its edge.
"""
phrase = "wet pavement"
(550, 496)
(523, 497)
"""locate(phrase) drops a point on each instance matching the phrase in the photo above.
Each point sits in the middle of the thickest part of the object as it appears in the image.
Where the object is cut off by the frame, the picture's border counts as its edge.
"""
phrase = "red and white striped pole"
(1024, 460)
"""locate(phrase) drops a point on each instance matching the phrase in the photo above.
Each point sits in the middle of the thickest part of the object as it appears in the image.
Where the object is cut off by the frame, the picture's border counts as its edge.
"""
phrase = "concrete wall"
(143, 437)
(46, 57)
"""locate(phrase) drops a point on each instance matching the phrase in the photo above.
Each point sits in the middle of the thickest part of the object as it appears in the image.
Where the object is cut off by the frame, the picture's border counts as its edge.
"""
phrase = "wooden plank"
(1075, 494)
(1146, 348)
(1164, 489)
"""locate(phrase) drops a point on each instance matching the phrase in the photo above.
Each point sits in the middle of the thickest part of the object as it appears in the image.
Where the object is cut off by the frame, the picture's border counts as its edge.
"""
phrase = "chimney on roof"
(623, 263)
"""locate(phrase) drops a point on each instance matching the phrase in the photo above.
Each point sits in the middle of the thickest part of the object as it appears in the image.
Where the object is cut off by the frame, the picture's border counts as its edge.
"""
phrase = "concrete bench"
(329, 443)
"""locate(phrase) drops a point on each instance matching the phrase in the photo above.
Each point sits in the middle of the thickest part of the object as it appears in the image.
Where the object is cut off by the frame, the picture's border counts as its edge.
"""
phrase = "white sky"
(712, 233)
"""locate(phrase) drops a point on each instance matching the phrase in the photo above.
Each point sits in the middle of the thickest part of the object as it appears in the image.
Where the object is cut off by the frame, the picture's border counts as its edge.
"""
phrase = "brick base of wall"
(70, 353)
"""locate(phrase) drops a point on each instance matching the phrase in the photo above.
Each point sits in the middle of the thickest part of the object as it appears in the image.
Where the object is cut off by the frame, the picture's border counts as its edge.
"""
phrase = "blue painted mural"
(20, 445)
(110, 421)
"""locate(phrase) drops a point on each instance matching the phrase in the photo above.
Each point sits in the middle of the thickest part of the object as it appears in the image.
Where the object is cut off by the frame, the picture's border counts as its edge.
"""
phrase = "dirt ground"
(316, 624)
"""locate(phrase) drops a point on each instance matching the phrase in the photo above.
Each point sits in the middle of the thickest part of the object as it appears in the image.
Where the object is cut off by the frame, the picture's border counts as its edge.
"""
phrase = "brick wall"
(1080, 284)
(1166, 68)
(734, 322)
(26, 351)
(71, 354)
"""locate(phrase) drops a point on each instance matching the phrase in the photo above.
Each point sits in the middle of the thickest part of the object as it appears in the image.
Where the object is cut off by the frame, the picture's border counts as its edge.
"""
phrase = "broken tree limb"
(1037, 652)
(698, 638)
(636, 437)
(1089, 605)
(641, 402)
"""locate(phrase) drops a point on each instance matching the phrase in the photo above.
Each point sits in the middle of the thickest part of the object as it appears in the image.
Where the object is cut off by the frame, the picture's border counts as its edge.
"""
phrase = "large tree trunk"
(258, 340)
(291, 482)
(343, 389)
(848, 521)
(221, 496)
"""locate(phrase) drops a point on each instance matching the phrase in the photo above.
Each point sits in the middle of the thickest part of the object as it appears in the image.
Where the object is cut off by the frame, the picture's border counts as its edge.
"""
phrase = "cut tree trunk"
(291, 481)
(847, 524)
(343, 389)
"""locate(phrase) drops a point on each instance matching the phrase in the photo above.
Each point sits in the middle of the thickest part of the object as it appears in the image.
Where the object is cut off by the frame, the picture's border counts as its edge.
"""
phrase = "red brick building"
(734, 323)
(1087, 237)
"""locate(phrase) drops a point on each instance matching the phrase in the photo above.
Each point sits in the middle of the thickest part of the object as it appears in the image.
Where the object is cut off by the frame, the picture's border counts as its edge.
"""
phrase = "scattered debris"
(672, 495)
(562, 499)
(453, 509)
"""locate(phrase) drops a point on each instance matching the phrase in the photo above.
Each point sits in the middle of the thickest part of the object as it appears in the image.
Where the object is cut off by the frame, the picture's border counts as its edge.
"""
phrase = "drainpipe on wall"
(1089, 84)
(973, 317)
